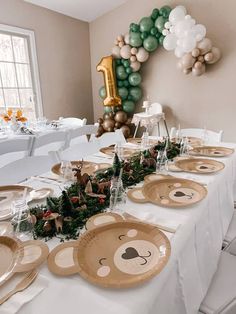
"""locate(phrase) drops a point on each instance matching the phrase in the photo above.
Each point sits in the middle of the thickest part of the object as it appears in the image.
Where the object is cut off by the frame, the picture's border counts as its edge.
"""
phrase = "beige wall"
(191, 101)
(63, 57)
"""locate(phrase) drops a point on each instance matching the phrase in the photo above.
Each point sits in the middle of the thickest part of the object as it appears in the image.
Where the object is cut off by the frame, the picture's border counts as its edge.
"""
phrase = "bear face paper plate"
(199, 165)
(116, 255)
(212, 151)
(174, 192)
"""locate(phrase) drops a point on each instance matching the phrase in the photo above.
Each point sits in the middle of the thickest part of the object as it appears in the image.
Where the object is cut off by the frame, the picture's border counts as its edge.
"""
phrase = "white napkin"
(12, 305)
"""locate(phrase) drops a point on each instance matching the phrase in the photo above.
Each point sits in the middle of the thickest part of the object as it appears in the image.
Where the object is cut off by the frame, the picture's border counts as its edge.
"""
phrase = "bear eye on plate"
(102, 260)
(120, 236)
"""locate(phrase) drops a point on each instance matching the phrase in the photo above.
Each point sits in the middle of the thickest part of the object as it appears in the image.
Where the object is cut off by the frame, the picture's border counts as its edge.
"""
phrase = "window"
(19, 77)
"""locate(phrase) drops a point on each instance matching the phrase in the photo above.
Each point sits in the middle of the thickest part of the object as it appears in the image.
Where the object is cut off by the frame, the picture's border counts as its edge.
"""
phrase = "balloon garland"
(172, 29)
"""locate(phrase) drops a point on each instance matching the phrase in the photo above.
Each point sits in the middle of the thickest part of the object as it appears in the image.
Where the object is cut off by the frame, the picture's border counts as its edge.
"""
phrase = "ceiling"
(85, 10)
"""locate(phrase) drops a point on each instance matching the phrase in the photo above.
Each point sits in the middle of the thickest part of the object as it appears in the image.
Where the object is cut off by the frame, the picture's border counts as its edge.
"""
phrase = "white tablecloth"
(181, 286)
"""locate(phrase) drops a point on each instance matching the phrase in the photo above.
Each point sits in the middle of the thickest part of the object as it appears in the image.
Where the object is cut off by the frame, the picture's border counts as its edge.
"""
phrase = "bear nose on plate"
(130, 253)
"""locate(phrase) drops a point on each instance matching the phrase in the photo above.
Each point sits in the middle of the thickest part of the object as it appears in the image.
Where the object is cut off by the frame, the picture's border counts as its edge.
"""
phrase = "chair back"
(111, 138)
(73, 121)
(21, 169)
(15, 148)
(80, 134)
(214, 137)
(52, 141)
(155, 108)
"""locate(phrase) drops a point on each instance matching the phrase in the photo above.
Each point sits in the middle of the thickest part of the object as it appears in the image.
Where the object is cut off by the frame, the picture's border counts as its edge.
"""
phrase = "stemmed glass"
(67, 173)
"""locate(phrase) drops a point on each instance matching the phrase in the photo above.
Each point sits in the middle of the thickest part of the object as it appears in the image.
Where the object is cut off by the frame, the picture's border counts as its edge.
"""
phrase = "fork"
(22, 285)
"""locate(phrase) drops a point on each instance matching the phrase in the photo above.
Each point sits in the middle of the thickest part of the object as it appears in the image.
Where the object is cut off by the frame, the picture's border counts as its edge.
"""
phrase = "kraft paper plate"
(116, 255)
(200, 165)
(127, 152)
(212, 151)
(102, 219)
(88, 167)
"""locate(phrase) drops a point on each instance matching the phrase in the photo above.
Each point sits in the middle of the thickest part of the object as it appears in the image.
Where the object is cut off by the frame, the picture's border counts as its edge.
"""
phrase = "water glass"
(145, 141)
(117, 196)
(119, 150)
(162, 163)
(22, 220)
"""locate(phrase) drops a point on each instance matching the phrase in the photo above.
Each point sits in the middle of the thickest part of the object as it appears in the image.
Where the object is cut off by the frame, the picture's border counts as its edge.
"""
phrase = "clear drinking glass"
(119, 150)
(67, 173)
(145, 141)
(184, 147)
(22, 221)
(117, 196)
(162, 163)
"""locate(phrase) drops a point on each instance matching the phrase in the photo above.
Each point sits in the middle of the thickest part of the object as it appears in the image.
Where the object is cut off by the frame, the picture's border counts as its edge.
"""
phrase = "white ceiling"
(85, 10)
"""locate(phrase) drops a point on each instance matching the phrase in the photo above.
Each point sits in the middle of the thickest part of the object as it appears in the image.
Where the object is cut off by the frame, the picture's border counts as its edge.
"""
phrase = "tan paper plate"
(192, 141)
(19, 256)
(102, 219)
(116, 255)
(174, 192)
(200, 165)
(127, 152)
(155, 176)
(8, 194)
(136, 195)
(5, 228)
(212, 151)
(138, 141)
(88, 167)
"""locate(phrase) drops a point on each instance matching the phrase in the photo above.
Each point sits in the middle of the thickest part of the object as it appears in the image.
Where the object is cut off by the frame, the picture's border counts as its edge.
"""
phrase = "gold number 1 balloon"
(106, 66)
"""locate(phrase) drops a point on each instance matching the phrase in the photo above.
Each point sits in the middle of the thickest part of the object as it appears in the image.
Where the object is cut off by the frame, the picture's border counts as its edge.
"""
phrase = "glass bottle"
(162, 163)
(117, 195)
(145, 141)
(22, 221)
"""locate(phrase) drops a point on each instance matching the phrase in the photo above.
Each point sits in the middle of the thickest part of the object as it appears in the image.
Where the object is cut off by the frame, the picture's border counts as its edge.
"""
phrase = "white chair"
(15, 148)
(214, 137)
(111, 138)
(231, 232)
(79, 151)
(50, 142)
(156, 108)
(80, 135)
(73, 122)
(221, 295)
(21, 169)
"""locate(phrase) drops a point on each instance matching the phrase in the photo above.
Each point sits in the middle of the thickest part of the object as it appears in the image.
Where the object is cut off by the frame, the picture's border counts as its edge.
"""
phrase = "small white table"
(148, 121)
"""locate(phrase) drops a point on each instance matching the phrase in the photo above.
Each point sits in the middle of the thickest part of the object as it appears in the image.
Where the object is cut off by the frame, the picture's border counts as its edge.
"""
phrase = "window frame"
(33, 59)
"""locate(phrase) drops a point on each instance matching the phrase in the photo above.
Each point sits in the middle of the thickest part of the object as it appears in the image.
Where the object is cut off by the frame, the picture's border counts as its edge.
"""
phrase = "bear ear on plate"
(62, 260)
(32, 253)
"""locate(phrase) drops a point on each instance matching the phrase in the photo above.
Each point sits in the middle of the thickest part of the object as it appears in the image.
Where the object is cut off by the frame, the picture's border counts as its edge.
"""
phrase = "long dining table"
(196, 242)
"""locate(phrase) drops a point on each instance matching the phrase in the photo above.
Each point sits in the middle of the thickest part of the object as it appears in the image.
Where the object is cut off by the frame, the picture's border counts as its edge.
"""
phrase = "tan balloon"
(120, 38)
(134, 51)
(188, 60)
(216, 55)
(198, 65)
(208, 57)
(195, 52)
(121, 44)
(116, 42)
(135, 66)
(126, 39)
(204, 45)
(142, 55)
(125, 52)
(116, 52)
(133, 59)
(198, 72)
(200, 58)
(186, 71)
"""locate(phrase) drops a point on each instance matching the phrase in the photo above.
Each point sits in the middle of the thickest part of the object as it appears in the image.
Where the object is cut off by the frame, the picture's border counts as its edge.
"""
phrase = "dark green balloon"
(118, 61)
(130, 97)
(135, 79)
(146, 24)
(160, 22)
(120, 83)
(128, 106)
(155, 14)
(135, 39)
(102, 92)
(150, 43)
(144, 35)
(161, 39)
(128, 70)
(154, 31)
(126, 83)
(158, 35)
(126, 63)
(135, 93)
(135, 28)
(121, 73)
(123, 92)
(165, 11)
(107, 109)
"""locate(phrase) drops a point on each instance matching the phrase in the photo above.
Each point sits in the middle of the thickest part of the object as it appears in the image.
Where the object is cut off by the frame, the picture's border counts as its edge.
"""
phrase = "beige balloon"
(126, 38)
(135, 66)
(125, 52)
(198, 65)
(121, 44)
(188, 60)
(120, 38)
(133, 58)
(198, 72)
(134, 51)
(116, 52)
(204, 45)
(142, 55)
(195, 52)
(208, 57)
(116, 42)
(186, 71)
(216, 55)
(200, 58)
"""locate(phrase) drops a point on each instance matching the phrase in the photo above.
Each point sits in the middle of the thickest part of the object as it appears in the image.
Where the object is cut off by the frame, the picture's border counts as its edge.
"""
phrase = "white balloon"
(172, 29)
(188, 44)
(165, 32)
(167, 25)
(116, 52)
(188, 17)
(182, 8)
(170, 42)
(198, 31)
(176, 15)
(182, 27)
(179, 52)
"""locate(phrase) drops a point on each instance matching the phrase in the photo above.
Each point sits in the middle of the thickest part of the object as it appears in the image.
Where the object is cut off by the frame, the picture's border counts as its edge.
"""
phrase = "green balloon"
(121, 73)
(146, 24)
(107, 109)
(135, 39)
(161, 39)
(158, 35)
(144, 35)
(102, 92)
(120, 83)
(135, 27)
(126, 63)
(118, 61)
(155, 14)
(150, 43)
(123, 92)
(126, 83)
(160, 22)
(135, 93)
(165, 11)
(128, 70)
(128, 106)
(154, 31)
(135, 79)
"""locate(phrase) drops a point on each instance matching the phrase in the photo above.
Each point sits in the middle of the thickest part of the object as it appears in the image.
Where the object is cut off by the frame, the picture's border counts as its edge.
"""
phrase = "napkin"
(12, 305)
